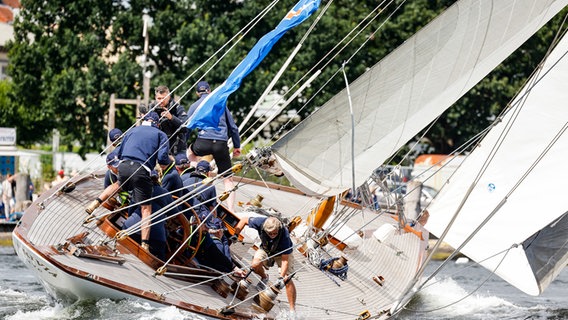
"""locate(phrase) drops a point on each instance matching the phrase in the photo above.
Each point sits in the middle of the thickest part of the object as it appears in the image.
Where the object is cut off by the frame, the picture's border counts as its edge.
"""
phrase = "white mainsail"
(516, 175)
(407, 90)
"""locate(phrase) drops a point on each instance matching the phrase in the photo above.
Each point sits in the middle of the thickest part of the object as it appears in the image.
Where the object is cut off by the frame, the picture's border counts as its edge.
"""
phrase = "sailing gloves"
(234, 238)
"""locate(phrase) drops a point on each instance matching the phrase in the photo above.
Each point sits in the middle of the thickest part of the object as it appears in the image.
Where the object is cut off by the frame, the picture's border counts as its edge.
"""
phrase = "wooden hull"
(42, 241)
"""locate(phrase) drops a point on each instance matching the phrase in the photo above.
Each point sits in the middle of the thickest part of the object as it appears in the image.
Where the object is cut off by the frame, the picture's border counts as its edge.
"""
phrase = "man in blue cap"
(114, 136)
(215, 252)
(214, 142)
(157, 241)
(111, 176)
(204, 199)
(171, 180)
(141, 148)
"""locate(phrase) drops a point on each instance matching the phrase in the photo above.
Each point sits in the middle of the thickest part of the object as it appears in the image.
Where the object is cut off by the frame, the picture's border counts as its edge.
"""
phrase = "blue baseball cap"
(202, 86)
(152, 116)
(181, 159)
(112, 159)
(114, 134)
(203, 167)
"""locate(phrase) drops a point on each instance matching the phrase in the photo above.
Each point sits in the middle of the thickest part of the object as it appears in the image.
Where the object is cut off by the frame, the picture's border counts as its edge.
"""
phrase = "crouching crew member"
(276, 246)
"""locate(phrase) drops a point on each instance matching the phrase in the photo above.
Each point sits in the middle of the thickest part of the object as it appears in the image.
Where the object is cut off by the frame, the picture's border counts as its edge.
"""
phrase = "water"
(23, 297)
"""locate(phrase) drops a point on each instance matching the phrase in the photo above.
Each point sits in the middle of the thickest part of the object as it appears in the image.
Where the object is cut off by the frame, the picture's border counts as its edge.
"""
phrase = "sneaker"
(292, 315)
(262, 284)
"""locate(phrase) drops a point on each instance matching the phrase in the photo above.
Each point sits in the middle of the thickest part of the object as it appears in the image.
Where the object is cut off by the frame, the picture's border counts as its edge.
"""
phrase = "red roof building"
(6, 15)
(8, 9)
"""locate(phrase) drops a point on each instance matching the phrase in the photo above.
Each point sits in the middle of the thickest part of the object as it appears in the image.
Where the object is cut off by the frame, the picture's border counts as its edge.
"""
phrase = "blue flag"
(209, 112)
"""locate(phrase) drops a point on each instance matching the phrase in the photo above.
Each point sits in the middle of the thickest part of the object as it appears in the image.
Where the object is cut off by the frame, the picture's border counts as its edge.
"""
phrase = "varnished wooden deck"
(320, 294)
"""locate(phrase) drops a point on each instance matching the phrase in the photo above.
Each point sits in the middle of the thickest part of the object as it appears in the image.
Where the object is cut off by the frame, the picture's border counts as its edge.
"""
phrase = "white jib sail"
(407, 90)
(536, 119)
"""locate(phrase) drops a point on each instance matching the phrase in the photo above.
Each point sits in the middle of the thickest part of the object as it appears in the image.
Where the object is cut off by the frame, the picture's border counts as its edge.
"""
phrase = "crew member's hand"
(280, 283)
(236, 152)
(216, 232)
(145, 246)
(234, 238)
(166, 114)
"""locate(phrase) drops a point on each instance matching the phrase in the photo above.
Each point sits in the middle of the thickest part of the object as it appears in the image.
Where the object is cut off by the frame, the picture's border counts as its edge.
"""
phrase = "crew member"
(276, 246)
(172, 116)
(214, 142)
(141, 148)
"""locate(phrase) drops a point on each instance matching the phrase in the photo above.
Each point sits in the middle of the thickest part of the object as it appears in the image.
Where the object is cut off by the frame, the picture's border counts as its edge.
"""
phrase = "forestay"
(528, 211)
(407, 90)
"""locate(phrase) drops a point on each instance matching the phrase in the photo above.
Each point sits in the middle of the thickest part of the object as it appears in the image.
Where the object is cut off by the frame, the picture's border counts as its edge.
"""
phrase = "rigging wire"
(352, 127)
(469, 191)
(504, 251)
(239, 36)
(284, 66)
(521, 101)
(320, 65)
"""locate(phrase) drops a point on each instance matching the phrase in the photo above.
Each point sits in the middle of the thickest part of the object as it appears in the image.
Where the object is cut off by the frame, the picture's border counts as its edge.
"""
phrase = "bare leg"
(146, 210)
(229, 185)
(291, 294)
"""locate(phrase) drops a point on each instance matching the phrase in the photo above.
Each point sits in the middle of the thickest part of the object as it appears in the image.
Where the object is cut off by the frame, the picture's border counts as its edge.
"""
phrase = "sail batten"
(407, 90)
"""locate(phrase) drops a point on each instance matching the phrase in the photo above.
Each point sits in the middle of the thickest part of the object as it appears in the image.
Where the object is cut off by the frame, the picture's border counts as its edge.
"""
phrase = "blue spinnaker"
(207, 115)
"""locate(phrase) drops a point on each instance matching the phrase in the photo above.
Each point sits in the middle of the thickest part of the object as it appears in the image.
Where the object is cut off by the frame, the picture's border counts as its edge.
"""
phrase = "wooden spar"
(318, 217)
(321, 213)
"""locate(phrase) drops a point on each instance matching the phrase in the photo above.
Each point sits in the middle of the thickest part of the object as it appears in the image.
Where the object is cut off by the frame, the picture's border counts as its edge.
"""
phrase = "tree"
(7, 110)
(63, 71)
(68, 58)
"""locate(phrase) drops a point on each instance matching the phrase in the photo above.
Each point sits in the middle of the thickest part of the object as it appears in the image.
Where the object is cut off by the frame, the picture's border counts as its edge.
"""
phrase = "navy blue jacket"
(110, 178)
(177, 139)
(227, 127)
(192, 181)
(141, 143)
(171, 181)
(179, 116)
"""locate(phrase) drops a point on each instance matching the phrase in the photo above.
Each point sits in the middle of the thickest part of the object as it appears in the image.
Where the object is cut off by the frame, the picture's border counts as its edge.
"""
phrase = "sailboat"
(351, 261)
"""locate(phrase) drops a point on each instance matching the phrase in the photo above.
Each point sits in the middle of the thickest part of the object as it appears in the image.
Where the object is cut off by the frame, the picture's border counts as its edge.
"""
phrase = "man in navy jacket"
(141, 148)
(214, 142)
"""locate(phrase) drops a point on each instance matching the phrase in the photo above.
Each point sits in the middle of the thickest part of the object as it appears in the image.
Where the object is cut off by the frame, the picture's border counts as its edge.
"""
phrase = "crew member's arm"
(284, 267)
(242, 223)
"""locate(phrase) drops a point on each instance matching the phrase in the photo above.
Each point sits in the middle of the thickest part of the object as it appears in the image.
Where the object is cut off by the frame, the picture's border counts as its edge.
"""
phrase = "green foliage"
(7, 110)
(67, 59)
(62, 71)
(48, 172)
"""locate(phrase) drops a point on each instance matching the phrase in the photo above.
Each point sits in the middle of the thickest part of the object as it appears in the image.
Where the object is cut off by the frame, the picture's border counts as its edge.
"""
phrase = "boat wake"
(445, 299)
(97, 309)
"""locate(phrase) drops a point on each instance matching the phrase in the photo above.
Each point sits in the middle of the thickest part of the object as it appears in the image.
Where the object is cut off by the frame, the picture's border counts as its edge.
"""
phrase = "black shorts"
(133, 177)
(218, 148)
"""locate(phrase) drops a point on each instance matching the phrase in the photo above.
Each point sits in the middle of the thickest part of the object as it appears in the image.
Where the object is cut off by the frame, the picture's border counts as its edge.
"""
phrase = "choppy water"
(455, 295)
